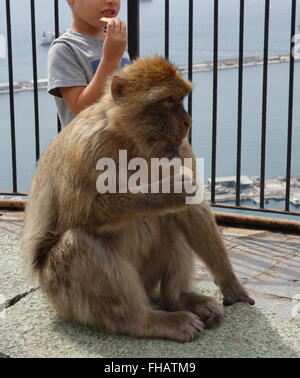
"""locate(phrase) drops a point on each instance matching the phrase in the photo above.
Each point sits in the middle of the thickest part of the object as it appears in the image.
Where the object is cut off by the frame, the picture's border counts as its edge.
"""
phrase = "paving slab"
(12, 278)
(269, 248)
(242, 232)
(245, 265)
(282, 308)
(290, 269)
(277, 287)
(11, 225)
(248, 266)
(208, 283)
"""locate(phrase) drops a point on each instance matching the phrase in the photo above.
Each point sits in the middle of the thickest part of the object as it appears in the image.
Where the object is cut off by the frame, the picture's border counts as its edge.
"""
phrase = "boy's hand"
(115, 42)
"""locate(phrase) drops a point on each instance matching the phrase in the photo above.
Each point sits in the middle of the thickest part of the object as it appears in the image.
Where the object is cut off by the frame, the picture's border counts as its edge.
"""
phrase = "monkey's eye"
(169, 99)
(169, 102)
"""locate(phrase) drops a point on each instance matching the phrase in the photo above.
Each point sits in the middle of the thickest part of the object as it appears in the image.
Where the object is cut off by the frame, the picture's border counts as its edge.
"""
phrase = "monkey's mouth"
(179, 139)
(176, 141)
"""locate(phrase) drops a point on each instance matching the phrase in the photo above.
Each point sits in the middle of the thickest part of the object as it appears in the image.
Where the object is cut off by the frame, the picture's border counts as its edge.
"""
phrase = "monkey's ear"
(118, 89)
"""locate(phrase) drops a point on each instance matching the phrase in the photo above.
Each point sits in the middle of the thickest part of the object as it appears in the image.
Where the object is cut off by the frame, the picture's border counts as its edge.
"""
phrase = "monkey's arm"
(117, 204)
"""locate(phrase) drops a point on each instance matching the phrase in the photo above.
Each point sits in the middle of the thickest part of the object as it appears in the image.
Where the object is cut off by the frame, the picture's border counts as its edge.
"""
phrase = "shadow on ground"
(30, 329)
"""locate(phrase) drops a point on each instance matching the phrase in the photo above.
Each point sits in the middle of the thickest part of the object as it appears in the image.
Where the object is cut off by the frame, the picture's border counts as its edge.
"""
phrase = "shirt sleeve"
(125, 60)
(64, 70)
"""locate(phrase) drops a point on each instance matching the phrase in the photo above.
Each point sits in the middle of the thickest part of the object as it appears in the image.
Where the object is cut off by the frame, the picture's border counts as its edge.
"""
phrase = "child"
(80, 60)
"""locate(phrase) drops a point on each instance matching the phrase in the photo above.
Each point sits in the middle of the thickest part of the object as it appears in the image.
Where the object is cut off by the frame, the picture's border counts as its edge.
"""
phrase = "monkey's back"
(63, 188)
(56, 194)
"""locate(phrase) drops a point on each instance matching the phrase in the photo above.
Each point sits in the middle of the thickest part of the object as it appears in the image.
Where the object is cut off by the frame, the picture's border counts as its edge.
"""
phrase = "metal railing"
(134, 52)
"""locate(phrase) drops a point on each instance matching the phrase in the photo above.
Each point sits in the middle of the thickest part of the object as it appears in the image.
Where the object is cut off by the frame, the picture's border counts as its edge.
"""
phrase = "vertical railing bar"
(240, 103)
(290, 107)
(167, 29)
(133, 7)
(11, 98)
(190, 60)
(56, 25)
(56, 18)
(215, 101)
(264, 104)
(35, 84)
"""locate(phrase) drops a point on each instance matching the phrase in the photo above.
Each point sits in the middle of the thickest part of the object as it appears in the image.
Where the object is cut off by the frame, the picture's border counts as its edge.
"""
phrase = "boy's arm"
(77, 98)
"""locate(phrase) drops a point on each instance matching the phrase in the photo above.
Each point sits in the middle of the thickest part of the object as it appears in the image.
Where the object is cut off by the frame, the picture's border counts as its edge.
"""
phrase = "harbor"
(225, 190)
(22, 86)
(250, 190)
(234, 63)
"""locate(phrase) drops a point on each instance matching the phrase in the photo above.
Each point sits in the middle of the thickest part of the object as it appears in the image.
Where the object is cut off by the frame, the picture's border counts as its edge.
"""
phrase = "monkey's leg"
(88, 281)
(176, 282)
(199, 227)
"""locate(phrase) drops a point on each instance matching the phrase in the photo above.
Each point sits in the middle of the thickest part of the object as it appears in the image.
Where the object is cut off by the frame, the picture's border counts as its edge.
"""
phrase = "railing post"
(215, 102)
(133, 9)
(190, 60)
(240, 104)
(167, 29)
(290, 106)
(35, 82)
(264, 105)
(56, 23)
(11, 98)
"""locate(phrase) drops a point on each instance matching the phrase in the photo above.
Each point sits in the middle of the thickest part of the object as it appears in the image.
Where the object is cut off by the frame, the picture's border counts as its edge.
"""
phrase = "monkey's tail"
(37, 248)
(39, 234)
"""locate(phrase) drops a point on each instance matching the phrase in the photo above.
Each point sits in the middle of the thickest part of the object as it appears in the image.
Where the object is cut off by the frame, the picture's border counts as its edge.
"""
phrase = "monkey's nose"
(187, 123)
(187, 120)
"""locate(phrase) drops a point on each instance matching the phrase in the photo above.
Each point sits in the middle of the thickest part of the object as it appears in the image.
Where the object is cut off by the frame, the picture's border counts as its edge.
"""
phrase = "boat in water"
(48, 38)
(256, 200)
(295, 201)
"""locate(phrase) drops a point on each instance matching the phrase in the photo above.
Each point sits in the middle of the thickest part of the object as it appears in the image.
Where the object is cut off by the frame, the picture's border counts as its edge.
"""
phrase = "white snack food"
(105, 19)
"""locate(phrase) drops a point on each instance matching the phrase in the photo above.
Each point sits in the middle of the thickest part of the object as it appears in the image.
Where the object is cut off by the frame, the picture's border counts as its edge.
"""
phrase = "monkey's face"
(149, 96)
(166, 121)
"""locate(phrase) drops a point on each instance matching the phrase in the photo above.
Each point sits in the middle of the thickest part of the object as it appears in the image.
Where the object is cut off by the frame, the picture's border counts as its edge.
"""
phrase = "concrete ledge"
(257, 222)
(31, 329)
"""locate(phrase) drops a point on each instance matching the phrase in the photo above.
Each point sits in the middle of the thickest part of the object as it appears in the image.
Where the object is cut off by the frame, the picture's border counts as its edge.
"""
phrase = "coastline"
(234, 63)
(197, 67)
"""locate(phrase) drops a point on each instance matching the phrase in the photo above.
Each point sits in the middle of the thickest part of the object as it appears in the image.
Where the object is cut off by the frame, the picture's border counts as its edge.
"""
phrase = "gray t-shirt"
(72, 61)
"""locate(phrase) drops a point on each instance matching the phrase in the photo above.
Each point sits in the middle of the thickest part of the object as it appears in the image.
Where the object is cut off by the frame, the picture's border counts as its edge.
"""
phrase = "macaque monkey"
(100, 258)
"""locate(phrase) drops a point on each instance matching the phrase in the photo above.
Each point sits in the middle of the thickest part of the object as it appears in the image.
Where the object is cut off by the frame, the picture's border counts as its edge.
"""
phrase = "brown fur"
(100, 257)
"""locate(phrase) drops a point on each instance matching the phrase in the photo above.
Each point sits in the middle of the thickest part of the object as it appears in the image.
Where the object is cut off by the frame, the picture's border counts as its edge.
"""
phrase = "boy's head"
(90, 11)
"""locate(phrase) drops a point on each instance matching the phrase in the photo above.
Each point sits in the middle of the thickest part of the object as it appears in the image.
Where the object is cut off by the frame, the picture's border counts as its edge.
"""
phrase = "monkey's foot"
(234, 292)
(180, 326)
(207, 308)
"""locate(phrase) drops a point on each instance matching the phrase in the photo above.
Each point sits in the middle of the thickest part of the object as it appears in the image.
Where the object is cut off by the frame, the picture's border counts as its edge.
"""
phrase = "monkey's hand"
(233, 292)
(184, 182)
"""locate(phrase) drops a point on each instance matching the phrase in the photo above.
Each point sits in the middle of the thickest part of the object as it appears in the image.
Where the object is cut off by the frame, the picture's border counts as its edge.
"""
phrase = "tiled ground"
(267, 263)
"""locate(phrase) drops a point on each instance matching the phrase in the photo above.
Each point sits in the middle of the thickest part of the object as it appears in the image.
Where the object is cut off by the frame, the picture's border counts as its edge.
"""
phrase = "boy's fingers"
(123, 29)
(111, 27)
(118, 26)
